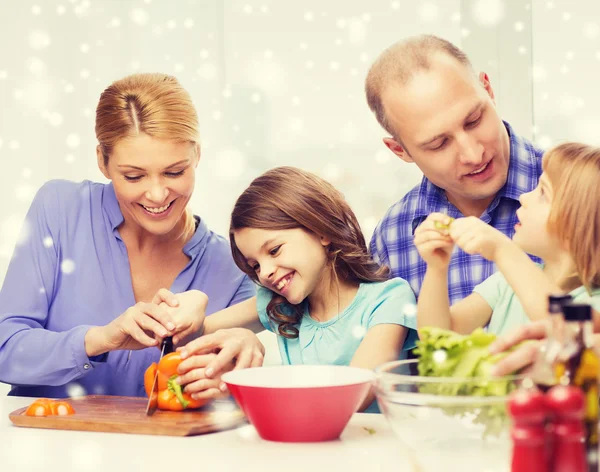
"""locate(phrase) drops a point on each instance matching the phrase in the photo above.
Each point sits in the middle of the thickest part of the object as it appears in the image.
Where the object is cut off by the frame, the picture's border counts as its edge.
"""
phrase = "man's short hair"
(398, 63)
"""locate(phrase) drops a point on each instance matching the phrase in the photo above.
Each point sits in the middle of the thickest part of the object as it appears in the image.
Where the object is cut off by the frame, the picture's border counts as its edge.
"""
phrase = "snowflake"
(357, 31)
(410, 310)
(428, 12)
(139, 16)
(309, 16)
(84, 48)
(39, 40)
(591, 30)
(73, 140)
(36, 65)
(488, 12)
(255, 98)
(188, 23)
(359, 332)
(48, 242)
(67, 266)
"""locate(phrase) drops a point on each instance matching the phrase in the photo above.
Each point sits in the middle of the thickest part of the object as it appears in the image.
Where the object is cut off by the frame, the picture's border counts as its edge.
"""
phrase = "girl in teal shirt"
(559, 222)
(328, 302)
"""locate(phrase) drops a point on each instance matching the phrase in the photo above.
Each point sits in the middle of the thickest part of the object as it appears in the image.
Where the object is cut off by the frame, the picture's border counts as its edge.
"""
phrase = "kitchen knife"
(166, 348)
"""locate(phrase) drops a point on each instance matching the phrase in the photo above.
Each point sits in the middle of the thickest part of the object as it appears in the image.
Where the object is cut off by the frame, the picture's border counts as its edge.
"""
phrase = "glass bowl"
(442, 423)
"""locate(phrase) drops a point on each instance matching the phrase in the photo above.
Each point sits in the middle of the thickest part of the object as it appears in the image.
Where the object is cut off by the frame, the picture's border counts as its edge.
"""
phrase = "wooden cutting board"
(128, 415)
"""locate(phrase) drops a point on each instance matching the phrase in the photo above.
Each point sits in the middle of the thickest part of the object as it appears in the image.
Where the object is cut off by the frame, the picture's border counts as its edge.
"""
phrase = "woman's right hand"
(525, 355)
(140, 326)
(433, 242)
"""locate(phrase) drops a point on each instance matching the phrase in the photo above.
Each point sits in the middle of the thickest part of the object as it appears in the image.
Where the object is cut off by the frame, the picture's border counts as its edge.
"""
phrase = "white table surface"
(29, 449)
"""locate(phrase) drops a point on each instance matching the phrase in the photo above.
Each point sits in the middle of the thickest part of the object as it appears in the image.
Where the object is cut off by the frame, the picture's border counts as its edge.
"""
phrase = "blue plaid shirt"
(392, 241)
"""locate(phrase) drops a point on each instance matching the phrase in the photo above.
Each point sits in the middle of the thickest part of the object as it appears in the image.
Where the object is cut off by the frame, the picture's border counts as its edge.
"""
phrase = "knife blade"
(166, 348)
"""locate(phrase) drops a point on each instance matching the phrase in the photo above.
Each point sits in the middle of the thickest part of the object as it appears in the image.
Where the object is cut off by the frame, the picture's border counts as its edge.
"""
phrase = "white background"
(275, 82)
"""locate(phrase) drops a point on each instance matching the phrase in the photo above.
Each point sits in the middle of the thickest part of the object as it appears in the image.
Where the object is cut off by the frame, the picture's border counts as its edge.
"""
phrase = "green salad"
(444, 353)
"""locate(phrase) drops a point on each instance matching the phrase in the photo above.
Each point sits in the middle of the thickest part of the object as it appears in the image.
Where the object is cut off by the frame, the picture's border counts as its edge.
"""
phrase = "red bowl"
(299, 403)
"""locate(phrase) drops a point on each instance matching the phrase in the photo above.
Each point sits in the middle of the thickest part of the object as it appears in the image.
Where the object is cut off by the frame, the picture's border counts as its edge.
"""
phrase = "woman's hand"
(140, 326)
(207, 357)
(525, 355)
(187, 309)
(476, 237)
(432, 241)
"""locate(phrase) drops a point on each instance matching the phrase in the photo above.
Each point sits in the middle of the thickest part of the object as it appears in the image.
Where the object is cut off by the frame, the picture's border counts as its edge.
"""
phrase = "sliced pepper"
(170, 394)
(61, 408)
(48, 407)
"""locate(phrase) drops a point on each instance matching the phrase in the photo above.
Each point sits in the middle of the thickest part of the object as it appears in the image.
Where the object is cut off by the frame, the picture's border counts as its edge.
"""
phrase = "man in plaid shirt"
(442, 117)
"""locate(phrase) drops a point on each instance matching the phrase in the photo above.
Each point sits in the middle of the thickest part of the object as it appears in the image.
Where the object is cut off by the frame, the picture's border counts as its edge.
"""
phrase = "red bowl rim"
(362, 376)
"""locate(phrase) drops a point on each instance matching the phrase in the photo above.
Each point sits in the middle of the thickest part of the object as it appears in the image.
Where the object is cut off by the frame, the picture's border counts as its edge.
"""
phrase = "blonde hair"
(398, 63)
(574, 172)
(154, 104)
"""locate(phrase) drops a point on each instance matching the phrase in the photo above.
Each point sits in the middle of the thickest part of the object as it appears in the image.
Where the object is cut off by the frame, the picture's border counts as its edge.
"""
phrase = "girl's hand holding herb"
(474, 236)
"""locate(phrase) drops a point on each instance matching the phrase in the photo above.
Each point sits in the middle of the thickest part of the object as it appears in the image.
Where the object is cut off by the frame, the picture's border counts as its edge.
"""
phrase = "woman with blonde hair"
(108, 270)
(559, 222)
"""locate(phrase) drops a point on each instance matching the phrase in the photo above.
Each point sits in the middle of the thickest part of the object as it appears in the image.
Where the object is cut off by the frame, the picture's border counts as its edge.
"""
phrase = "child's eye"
(132, 179)
(175, 174)
(275, 250)
(255, 267)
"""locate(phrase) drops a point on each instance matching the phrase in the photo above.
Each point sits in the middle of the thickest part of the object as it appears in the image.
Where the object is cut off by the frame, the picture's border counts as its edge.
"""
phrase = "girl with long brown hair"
(328, 302)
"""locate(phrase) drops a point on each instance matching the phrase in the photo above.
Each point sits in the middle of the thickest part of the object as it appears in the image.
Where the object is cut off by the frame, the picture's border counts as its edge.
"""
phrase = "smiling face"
(532, 230)
(153, 181)
(448, 125)
(291, 262)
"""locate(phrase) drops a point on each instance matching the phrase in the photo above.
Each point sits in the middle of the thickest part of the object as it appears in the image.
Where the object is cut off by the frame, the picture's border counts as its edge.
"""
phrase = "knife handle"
(168, 344)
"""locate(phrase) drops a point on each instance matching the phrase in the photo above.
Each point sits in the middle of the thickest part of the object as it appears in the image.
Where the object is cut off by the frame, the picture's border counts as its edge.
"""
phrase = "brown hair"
(287, 198)
(574, 172)
(398, 63)
(154, 104)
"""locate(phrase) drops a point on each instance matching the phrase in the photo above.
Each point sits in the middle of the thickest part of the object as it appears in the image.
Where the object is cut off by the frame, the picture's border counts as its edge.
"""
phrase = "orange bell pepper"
(47, 407)
(170, 394)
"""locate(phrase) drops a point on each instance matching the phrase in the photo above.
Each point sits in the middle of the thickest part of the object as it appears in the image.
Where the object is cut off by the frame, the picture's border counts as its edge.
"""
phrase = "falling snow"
(67, 266)
(488, 13)
(273, 87)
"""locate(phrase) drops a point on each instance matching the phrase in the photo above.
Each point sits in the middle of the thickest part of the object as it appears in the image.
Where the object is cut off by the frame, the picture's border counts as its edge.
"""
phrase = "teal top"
(335, 341)
(507, 311)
